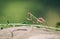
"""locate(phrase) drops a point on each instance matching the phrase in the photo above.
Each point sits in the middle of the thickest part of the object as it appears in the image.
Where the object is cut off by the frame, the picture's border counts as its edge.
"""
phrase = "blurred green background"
(16, 10)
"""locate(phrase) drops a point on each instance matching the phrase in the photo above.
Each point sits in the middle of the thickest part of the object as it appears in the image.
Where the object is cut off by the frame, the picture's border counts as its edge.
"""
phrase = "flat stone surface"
(25, 32)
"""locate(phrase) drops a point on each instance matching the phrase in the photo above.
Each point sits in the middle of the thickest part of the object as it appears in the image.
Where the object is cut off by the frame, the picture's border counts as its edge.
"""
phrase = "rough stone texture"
(36, 33)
